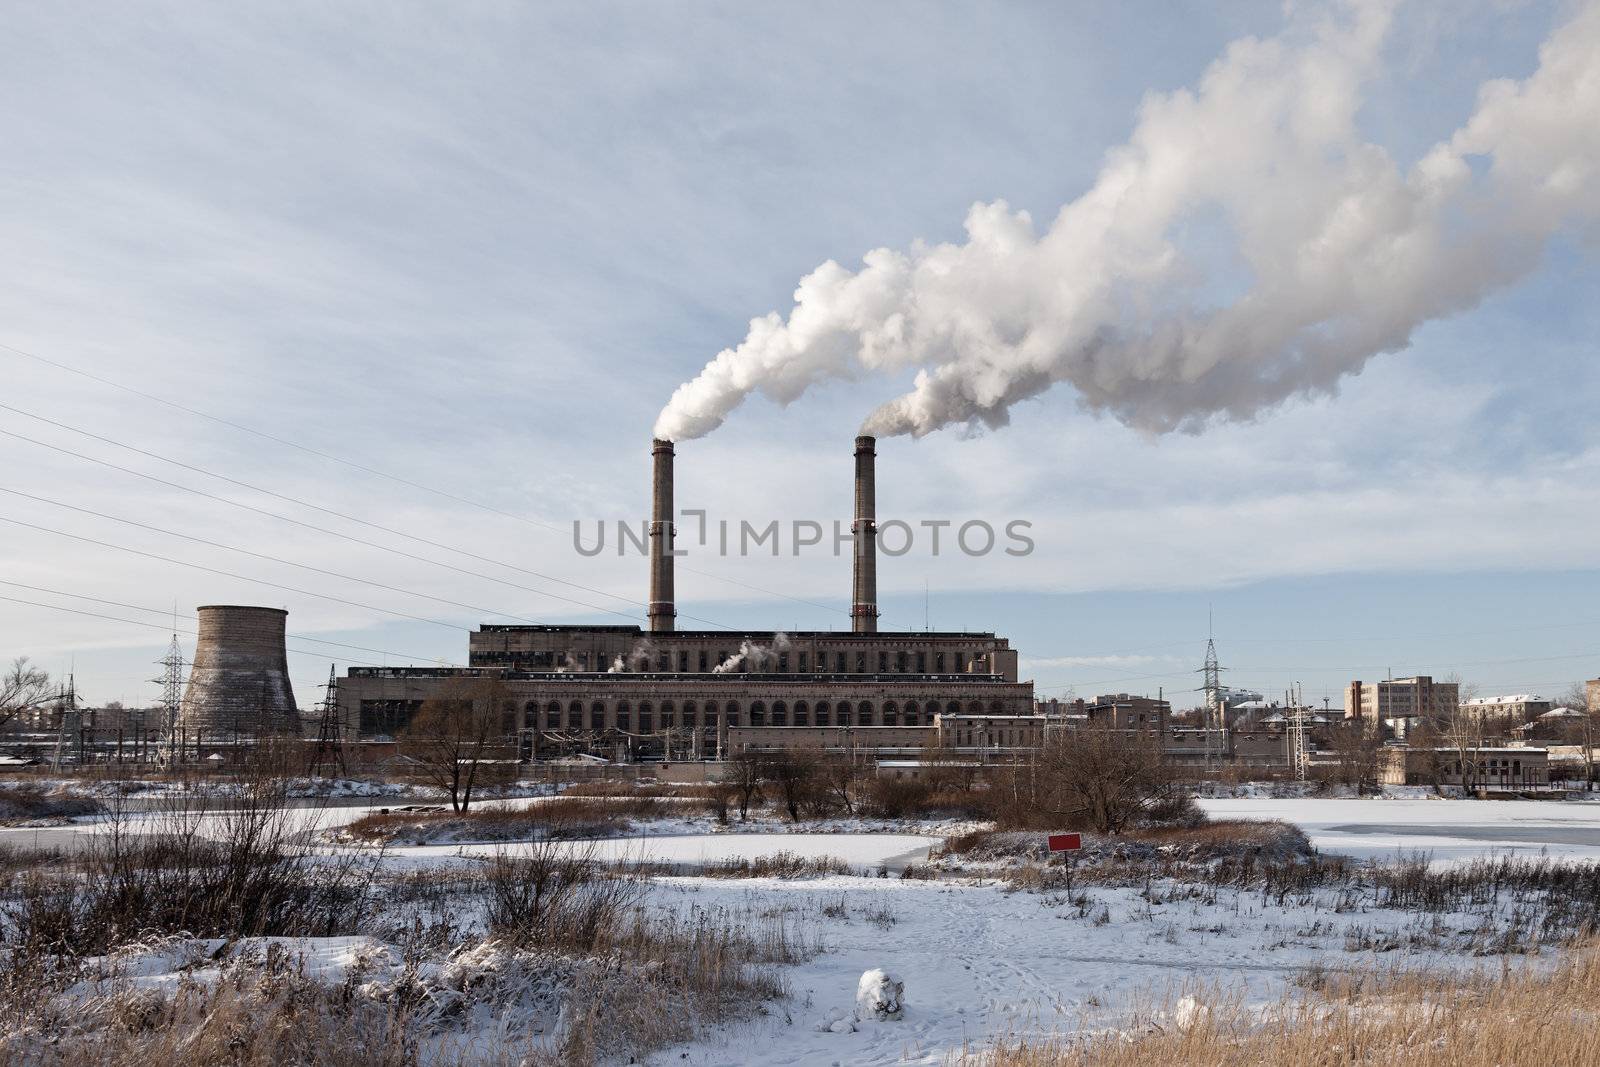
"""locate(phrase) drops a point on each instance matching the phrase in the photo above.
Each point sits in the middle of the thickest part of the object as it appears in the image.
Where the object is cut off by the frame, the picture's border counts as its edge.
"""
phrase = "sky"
(403, 288)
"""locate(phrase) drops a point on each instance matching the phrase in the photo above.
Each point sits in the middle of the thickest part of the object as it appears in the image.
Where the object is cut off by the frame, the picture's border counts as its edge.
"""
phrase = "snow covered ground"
(980, 958)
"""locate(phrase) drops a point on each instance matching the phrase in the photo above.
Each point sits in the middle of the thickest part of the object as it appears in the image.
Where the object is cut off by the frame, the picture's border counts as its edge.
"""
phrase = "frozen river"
(864, 851)
(1447, 830)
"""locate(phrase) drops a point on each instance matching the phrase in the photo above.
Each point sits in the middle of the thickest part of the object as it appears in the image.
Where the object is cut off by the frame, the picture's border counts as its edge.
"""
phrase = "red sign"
(1065, 842)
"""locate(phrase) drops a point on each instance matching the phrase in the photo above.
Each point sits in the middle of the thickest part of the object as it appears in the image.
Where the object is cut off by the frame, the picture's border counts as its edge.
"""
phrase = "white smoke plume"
(753, 657)
(639, 658)
(1332, 252)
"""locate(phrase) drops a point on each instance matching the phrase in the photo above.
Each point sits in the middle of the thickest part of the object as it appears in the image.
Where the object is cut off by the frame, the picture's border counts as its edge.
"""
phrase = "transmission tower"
(1214, 718)
(330, 738)
(67, 717)
(171, 682)
(1299, 723)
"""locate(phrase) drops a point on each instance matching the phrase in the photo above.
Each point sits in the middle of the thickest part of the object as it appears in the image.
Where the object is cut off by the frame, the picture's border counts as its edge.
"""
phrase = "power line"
(374, 471)
(301, 503)
(262, 555)
(166, 627)
(327, 511)
(230, 574)
(272, 437)
(163, 611)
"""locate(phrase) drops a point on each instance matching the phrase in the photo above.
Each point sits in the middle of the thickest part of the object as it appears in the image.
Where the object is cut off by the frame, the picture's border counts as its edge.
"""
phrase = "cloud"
(1245, 245)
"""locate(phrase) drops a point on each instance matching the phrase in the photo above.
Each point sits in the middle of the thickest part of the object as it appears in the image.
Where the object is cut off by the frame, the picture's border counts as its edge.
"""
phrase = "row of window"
(646, 717)
(783, 662)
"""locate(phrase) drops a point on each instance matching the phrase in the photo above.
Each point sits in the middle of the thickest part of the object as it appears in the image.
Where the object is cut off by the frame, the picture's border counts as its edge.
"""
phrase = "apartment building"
(1400, 699)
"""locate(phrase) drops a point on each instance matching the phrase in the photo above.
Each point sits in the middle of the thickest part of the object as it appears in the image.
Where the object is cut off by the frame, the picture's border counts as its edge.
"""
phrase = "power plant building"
(630, 692)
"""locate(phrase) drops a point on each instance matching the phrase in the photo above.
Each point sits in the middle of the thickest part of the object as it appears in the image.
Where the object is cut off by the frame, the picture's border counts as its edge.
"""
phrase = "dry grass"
(559, 818)
(777, 865)
(1406, 1020)
(28, 803)
(1205, 843)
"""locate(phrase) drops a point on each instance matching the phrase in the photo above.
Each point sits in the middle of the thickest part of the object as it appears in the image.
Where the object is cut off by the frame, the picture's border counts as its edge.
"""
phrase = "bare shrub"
(897, 798)
(777, 865)
(557, 818)
(243, 866)
(1095, 777)
(28, 803)
(555, 897)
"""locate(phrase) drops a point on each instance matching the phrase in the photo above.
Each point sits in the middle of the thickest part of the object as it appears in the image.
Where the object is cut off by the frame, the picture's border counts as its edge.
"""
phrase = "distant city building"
(1520, 707)
(1123, 711)
(999, 734)
(1592, 691)
(1400, 698)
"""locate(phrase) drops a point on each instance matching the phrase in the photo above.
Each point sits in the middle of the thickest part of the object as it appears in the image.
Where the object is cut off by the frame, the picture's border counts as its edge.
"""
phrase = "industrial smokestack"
(239, 686)
(662, 610)
(864, 605)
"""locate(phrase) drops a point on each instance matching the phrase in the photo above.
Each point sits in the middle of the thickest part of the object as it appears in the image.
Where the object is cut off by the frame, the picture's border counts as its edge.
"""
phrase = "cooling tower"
(239, 687)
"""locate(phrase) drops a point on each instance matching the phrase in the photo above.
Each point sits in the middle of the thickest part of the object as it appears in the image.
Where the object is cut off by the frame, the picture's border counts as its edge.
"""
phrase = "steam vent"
(239, 687)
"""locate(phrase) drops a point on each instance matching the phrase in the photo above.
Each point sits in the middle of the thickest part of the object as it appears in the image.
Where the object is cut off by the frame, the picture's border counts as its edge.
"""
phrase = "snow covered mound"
(880, 995)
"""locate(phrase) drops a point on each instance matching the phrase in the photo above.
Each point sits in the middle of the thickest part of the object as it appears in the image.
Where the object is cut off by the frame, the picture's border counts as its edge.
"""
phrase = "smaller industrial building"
(1499, 769)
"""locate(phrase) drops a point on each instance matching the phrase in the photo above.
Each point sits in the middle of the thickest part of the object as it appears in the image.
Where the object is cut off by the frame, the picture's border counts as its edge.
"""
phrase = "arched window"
(864, 714)
(952, 708)
(891, 714)
(689, 713)
(575, 715)
(780, 714)
(647, 719)
(624, 716)
(758, 714)
(730, 713)
(845, 718)
(530, 715)
(912, 713)
(669, 715)
(552, 716)
(823, 713)
(802, 713)
(974, 707)
(995, 707)
(597, 716)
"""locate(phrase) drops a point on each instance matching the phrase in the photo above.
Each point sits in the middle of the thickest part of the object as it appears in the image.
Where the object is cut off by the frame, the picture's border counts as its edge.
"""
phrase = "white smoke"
(1345, 254)
(639, 658)
(754, 657)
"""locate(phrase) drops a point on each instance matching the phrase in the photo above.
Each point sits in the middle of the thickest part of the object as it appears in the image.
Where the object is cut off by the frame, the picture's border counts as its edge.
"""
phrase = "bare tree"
(1100, 777)
(1574, 698)
(1428, 739)
(837, 774)
(744, 778)
(1355, 745)
(793, 775)
(1581, 732)
(23, 688)
(461, 736)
